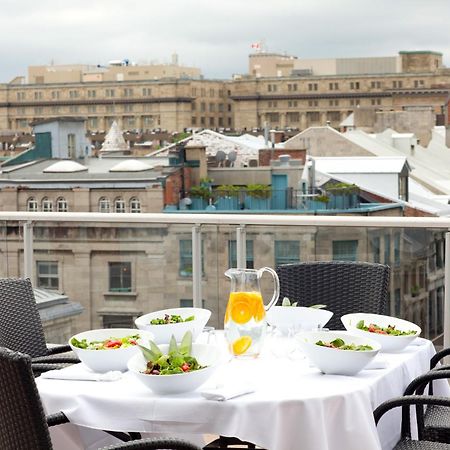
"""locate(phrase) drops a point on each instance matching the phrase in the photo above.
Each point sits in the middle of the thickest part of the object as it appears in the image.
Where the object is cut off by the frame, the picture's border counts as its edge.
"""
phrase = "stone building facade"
(282, 98)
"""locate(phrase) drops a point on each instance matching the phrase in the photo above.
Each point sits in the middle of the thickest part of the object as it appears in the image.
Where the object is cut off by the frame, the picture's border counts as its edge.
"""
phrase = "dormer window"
(61, 205)
(104, 205)
(119, 205)
(32, 204)
(135, 205)
(47, 205)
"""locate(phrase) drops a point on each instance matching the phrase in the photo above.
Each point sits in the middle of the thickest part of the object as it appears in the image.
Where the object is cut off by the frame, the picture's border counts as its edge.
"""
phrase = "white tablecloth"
(293, 406)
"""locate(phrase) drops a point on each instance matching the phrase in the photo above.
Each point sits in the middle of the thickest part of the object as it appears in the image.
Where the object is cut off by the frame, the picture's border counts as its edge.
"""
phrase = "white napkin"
(80, 373)
(222, 393)
(376, 363)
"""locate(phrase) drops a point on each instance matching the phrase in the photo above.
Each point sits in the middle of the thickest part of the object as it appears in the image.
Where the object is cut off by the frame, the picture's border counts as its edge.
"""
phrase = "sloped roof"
(361, 164)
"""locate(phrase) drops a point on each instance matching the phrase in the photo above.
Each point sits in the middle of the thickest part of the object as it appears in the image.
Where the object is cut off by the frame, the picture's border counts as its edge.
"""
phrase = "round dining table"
(288, 403)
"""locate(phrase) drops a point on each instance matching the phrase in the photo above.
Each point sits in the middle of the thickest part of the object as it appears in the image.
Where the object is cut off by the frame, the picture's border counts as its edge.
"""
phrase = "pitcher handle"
(276, 282)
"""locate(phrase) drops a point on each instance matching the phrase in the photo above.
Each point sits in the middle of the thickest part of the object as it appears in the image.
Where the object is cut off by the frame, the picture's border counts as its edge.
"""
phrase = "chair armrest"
(405, 402)
(39, 368)
(154, 444)
(56, 419)
(438, 356)
(58, 349)
(56, 359)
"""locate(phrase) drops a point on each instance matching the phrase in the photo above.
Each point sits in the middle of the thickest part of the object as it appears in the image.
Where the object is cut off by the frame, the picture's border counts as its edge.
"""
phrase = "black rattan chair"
(21, 327)
(406, 443)
(344, 286)
(23, 424)
(434, 421)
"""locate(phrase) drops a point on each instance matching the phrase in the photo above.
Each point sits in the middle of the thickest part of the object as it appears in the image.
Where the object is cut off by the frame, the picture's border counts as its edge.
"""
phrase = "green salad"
(390, 329)
(174, 318)
(106, 344)
(341, 345)
(177, 360)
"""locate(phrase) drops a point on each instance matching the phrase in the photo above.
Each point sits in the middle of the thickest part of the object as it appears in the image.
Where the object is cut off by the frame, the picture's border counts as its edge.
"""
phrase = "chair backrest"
(344, 286)
(22, 420)
(20, 324)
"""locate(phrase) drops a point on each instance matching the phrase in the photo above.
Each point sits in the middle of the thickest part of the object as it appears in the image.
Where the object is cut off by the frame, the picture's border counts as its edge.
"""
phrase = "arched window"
(32, 204)
(135, 205)
(61, 205)
(47, 205)
(119, 205)
(103, 205)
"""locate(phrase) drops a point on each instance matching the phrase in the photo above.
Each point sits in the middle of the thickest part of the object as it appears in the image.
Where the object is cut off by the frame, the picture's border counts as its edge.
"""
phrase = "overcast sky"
(214, 36)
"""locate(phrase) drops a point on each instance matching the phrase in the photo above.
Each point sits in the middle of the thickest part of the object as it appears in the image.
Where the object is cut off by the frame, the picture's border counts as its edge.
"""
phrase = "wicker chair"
(21, 327)
(23, 424)
(434, 422)
(344, 286)
(406, 443)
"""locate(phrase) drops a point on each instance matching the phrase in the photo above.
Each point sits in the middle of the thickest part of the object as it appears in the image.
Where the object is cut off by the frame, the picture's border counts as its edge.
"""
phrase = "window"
(135, 205)
(287, 252)
(354, 85)
(212, 107)
(73, 94)
(61, 205)
(376, 251)
(32, 204)
(387, 249)
(232, 254)
(73, 108)
(110, 108)
(91, 93)
(189, 303)
(119, 205)
(119, 276)
(396, 249)
(128, 92)
(55, 95)
(354, 102)
(418, 83)
(92, 123)
(47, 274)
(186, 258)
(71, 145)
(47, 205)
(21, 96)
(92, 108)
(104, 205)
(397, 302)
(312, 86)
(110, 93)
(146, 92)
(345, 250)
(127, 108)
(313, 103)
(397, 84)
(38, 95)
(118, 321)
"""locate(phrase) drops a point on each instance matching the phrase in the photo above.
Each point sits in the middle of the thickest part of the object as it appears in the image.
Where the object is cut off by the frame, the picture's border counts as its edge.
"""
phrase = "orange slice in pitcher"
(241, 345)
(241, 310)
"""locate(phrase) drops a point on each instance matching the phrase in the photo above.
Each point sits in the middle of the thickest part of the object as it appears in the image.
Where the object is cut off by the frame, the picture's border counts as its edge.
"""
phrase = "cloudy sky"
(214, 36)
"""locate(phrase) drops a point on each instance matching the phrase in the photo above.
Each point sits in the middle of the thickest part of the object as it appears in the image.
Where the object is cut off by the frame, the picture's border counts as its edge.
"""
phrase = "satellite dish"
(220, 157)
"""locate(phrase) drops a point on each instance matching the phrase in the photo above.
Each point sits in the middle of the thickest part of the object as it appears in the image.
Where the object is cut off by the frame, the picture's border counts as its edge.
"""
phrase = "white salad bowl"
(207, 355)
(111, 359)
(164, 332)
(334, 360)
(297, 318)
(388, 342)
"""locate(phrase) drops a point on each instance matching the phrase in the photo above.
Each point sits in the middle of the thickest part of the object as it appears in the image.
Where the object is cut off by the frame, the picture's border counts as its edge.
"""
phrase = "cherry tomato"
(111, 344)
(185, 367)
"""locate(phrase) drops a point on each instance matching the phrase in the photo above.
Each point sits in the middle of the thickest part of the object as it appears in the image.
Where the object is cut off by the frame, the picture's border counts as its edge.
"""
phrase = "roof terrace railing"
(240, 221)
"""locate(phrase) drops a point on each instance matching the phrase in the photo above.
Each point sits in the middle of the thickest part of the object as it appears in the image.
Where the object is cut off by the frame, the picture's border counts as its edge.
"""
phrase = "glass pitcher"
(245, 317)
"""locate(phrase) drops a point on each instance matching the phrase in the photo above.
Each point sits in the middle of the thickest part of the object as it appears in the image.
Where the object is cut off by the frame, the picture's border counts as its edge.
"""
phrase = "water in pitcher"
(245, 317)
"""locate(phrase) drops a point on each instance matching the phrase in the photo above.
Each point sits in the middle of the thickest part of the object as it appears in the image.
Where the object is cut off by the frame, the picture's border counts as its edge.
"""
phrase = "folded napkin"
(78, 372)
(376, 363)
(222, 393)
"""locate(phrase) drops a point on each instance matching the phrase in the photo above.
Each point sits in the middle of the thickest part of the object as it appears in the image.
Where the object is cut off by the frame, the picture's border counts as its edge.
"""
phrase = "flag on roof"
(256, 45)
